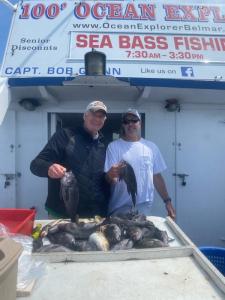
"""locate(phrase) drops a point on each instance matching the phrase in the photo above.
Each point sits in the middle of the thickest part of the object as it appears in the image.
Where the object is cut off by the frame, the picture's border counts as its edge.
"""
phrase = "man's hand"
(114, 172)
(56, 171)
(171, 210)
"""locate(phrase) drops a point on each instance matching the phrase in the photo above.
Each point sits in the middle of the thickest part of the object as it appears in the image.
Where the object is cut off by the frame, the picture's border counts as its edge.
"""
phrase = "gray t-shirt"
(146, 160)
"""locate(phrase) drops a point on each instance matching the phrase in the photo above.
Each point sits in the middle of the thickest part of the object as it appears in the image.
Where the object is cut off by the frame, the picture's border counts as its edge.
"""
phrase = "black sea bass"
(70, 194)
(127, 174)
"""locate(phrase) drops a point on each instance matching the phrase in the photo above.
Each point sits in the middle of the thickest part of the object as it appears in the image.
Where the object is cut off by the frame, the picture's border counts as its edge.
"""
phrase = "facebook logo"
(187, 72)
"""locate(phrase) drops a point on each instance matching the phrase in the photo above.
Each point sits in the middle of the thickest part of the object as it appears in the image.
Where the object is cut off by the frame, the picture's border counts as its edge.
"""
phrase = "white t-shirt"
(146, 160)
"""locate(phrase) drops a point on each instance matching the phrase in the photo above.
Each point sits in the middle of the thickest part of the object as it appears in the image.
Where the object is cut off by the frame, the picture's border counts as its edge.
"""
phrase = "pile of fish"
(113, 233)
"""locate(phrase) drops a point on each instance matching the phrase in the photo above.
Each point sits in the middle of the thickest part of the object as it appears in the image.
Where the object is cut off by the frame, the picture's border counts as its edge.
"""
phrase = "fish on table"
(62, 238)
(99, 240)
(122, 232)
(112, 232)
(150, 243)
(79, 231)
(134, 233)
(125, 244)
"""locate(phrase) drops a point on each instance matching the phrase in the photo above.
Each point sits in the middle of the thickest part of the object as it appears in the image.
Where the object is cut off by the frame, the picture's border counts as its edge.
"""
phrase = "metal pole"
(9, 4)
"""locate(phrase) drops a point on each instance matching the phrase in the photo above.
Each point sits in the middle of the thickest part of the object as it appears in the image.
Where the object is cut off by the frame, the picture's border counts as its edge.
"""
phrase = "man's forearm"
(160, 186)
(39, 167)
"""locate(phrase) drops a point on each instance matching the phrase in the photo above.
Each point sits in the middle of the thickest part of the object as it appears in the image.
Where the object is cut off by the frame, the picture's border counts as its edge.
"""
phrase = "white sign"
(145, 47)
(146, 38)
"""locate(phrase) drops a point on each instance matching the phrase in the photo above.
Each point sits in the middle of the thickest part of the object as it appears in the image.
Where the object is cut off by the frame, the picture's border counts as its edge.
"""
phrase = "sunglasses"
(134, 121)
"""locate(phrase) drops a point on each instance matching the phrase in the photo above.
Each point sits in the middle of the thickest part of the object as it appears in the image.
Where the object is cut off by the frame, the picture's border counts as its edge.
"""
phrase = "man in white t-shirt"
(147, 163)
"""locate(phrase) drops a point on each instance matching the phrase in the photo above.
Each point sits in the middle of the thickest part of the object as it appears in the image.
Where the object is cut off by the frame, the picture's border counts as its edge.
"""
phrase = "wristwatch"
(167, 200)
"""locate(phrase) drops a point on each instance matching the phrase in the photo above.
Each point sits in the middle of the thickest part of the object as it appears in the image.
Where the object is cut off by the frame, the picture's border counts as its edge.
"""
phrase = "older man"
(147, 163)
(82, 151)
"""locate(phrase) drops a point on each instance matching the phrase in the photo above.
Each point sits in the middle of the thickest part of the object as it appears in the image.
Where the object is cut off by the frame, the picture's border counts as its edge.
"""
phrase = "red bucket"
(18, 220)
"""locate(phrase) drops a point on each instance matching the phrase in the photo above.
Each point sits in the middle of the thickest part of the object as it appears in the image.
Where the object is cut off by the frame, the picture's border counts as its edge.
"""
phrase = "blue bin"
(216, 255)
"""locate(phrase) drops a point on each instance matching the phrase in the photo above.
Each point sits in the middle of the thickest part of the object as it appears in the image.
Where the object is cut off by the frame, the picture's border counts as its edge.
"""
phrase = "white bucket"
(9, 255)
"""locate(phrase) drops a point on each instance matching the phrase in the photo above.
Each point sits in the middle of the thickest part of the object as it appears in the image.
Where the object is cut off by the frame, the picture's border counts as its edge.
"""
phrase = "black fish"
(85, 246)
(149, 233)
(112, 232)
(137, 217)
(62, 238)
(70, 194)
(125, 244)
(127, 174)
(126, 223)
(78, 231)
(99, 240)
(162, 236)
(150, 243)
(134, 233)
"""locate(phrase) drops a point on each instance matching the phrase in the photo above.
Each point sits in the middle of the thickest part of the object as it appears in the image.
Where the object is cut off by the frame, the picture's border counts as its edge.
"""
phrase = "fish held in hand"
(127, 174)
(70, 194)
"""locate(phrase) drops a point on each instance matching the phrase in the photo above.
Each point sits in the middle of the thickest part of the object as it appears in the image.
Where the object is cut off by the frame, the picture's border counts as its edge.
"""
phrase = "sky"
(5, 21)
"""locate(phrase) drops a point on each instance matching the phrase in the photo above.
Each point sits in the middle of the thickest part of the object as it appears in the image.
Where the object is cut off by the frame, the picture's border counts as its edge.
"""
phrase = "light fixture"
(95, 63)
(172, 105)
(95, 73)
(29, 103)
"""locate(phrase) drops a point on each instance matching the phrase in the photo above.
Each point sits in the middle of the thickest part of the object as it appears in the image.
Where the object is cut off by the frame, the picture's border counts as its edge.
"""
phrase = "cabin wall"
(32, 135)
(7, 160)
(160, 129)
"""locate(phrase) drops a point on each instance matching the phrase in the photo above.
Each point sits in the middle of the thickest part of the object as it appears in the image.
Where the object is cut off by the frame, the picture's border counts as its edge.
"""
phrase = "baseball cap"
(96, 105)
(131, 111)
